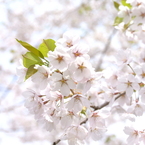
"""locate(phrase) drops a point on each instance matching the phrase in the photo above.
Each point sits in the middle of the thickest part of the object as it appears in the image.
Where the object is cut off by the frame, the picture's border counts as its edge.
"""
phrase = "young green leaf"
(116, 5)
(31, 48)
(50, 44)
(31, 59)
(30, 71)
(126, 4)
(43, 49)
(46, 46)
(117, 21)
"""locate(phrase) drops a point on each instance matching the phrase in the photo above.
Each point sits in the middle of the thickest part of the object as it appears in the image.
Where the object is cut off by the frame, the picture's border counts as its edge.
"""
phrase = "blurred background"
(35, 20)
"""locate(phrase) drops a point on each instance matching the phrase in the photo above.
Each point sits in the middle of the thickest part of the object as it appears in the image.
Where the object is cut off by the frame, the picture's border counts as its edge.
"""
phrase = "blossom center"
(77, 54)
(81, 67)
(63, 81)
(69, 44)
(59, 58)
(138, 4)
(129, 84)
(45, 74)
(143, 75)
(142, 15)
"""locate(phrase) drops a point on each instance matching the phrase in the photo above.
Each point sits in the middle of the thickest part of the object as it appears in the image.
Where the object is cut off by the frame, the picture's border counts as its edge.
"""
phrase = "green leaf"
(46, 46)
(30, 48)
(126, 4)
(117, 21)
(43, 49)
(50, 44)
(116, 5)
(30, 71)
(126, 26)
(110, 138)
(83, 111)
(31, 59)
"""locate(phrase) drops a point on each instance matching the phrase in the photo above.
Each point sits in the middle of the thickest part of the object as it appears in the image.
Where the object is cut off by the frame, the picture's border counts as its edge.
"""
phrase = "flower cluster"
(133, 14)
(61, 96)
(135, 136)
(73, 101)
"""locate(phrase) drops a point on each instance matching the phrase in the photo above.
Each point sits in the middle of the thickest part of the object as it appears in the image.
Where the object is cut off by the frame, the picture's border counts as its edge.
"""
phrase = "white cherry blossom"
(34, 103)
(63, 83)
(128, 84)
(140, 72)
(81, 70)
(133, 135)
(21, 72)
(78, 132)
(123, 57)
(42, 75)
(59, 59)
(124, 12)
(79, 50)
(77, 102)
(97, 133)
(142, 94)
(139, 13)
(137, 108)
(67, 119)
(96, 120)
(136, 3)
(69, 39)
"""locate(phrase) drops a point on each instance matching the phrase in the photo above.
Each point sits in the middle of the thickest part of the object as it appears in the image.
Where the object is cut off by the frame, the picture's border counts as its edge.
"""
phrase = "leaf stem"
(131, 69)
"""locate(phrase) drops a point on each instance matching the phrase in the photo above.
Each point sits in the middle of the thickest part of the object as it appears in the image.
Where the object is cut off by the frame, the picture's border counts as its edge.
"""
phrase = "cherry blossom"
(139, 14)
(78, 132)
(63, 83)
(133, 135)
(142, 94)
(125, 13)
(81, 69)
(123, 57)
(137, 108)
(42, 75)
(128, 84)
(75, 101)
(21, 72)
(59, 59)
(79, 50)
(69, 39)
(97, 133)
(96, 120)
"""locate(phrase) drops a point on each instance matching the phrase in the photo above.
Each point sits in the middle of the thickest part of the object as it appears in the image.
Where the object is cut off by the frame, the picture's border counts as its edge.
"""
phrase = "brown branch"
(101, 106)
(84, 121)
(106, 103)
(56, 142)
(95, 108)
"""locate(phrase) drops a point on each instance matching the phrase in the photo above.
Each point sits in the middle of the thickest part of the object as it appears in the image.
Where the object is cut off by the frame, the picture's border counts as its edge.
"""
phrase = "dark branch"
(101, 106)
(56, 142)
(95, 108)
(106, 103)
(84, 121)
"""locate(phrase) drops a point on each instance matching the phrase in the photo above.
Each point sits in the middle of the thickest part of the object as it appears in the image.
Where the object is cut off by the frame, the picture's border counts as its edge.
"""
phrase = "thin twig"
(8, 88)
(101, 106)
(56, 142)
(95, 108)
(106, 103)
(84, 121)
(105, 50)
